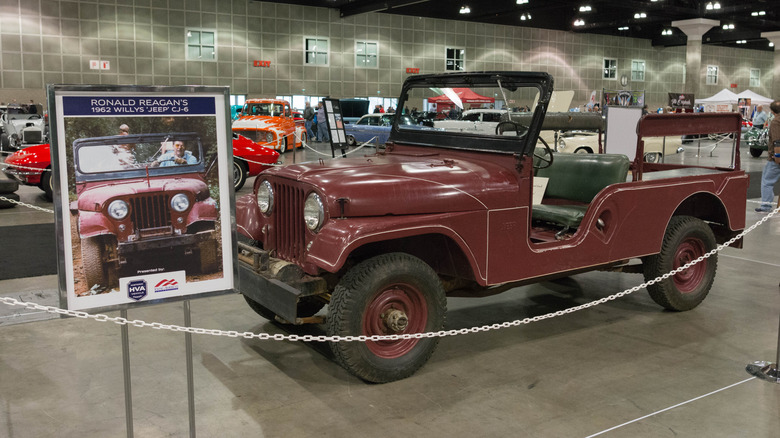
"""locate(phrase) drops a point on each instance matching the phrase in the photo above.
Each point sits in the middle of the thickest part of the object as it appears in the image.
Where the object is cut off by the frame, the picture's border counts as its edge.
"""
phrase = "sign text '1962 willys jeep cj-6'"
(141, 199)
(382, 239)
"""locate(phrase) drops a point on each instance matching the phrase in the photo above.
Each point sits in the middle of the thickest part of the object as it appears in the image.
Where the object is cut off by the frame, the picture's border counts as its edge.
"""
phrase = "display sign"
(623, 98)
(142, 193)
(681, 100)
(338, 138)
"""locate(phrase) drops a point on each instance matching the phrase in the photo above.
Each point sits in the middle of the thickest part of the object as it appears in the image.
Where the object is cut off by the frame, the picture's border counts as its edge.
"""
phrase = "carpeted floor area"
(28, 251)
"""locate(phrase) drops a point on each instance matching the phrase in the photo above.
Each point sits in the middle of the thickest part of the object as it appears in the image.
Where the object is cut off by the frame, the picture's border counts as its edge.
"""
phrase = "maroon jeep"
(384, 238)
(139, 201)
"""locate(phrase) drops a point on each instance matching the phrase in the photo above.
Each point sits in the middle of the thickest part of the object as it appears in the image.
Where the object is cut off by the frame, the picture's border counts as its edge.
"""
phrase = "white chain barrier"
(34, 207)
(18, 166)
(322, 338)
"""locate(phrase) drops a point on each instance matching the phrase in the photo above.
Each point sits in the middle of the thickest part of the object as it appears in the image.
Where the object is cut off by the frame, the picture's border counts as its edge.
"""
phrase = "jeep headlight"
(313, 212)
(265, 197)
(269, 137)
(180, 202)
(117, 209)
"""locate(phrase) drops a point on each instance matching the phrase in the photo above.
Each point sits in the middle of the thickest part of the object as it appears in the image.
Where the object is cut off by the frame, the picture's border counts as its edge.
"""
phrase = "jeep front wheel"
(687, 238)
(385, 295)
(94, 256)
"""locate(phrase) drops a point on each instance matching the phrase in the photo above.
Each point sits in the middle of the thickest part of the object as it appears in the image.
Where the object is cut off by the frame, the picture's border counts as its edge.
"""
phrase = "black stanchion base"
(764, 371)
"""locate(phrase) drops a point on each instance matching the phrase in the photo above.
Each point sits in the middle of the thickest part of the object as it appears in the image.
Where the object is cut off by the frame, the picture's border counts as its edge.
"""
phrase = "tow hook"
(396, 320)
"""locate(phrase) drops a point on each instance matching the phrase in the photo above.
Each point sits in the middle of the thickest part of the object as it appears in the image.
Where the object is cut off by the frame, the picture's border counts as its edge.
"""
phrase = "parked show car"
(249, 159)
(757, 139)
(31, 166)
(270, 123)
(375, 128)
(18, 128)
(139, 202)
(384, 239)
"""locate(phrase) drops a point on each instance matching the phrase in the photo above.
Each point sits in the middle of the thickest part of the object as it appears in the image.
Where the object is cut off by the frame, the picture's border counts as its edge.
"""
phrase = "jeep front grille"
(288, 236)
(150, 212)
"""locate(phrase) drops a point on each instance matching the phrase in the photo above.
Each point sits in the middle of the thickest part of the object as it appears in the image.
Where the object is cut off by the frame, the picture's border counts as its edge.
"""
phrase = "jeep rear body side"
(367, 234)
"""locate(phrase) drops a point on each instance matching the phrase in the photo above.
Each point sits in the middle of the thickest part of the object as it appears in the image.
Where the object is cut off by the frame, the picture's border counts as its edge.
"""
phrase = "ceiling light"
(710, 6)
(522, 2)
(623, 28)
(640, 15)
(741, 41)
(465, 10)
(771, 44)
(666, 32)
(757, 13)
(525, 17)
(579, 22)
(728, 26)
(585, 9)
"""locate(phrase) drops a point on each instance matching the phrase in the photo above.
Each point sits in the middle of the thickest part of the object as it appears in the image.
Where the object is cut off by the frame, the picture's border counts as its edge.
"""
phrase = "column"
(774, 37)
(694, 29)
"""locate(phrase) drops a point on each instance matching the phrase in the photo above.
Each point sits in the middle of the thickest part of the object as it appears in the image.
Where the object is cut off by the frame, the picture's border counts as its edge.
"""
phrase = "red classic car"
(35, 167)
(382, 239)
(270, 122)
(249, 159)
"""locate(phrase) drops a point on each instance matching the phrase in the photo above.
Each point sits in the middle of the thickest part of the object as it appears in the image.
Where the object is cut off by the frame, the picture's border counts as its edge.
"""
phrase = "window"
(637, 70)
(237, 99)
(316, 51)
(712, 75)
(610, 69)
(456, 59)
(201, 45)
(755, 77)
(366, 54)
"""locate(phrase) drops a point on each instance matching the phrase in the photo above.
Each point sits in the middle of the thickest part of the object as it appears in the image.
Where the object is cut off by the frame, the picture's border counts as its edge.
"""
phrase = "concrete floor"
(665, 374)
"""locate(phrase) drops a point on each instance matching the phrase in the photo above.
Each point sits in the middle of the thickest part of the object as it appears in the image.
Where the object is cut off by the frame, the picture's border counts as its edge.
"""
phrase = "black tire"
(209, 260)
(755, 153)
(93, 256)
(46, 185)
(360, 304)
(239, 173)
(8, 185)
(351, 141)
(5, 142)
(583, 150)
(8, 204)
(686, 239)
(284, 146)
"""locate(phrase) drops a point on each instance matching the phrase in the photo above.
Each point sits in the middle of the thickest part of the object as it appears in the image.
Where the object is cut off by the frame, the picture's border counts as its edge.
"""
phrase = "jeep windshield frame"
(93, 172)
(509, 89)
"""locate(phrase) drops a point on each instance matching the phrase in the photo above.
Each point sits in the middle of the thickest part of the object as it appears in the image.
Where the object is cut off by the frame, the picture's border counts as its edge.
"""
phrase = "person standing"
(760, 118)
(771, 173)
(322, 124)
(308, 117)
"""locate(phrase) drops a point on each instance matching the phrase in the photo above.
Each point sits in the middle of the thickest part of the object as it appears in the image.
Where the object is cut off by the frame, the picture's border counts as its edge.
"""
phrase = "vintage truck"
(384, 238)
(139, 203)
(270, 123)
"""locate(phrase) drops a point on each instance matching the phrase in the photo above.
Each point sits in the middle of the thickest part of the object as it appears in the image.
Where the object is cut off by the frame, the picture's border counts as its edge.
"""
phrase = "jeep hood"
(96, 194)
(397, 184)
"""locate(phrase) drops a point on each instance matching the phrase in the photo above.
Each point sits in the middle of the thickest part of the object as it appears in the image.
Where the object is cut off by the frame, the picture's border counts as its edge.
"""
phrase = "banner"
(681, 100)
(623, 98)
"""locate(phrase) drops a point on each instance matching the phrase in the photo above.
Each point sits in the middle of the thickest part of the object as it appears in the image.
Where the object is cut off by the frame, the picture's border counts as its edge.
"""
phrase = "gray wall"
(51, 41)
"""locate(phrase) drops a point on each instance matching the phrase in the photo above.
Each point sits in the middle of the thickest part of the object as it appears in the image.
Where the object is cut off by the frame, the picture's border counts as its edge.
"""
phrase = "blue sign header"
(137, 105)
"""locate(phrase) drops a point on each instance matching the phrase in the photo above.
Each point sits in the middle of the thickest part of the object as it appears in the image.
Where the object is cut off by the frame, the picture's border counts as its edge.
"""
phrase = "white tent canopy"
(723, 96)
(755, 98)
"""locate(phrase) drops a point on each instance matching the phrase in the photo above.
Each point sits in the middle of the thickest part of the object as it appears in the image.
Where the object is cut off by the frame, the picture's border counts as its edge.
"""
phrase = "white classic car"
(18, 128)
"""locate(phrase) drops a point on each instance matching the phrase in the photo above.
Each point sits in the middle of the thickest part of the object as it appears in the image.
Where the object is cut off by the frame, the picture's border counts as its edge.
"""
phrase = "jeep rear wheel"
(687, 238)
(239, 174)
(94, 256)
(389, 294)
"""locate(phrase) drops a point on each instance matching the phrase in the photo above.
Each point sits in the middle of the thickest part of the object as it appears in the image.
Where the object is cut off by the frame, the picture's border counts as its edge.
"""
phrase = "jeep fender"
(92, 223)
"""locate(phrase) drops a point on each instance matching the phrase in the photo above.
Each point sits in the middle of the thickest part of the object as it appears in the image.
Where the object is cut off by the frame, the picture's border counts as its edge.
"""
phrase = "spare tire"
(8, 204)
(8, 185)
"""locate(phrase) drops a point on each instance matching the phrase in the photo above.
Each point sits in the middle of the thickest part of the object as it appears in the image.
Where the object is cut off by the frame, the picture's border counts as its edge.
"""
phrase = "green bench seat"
(577, 178)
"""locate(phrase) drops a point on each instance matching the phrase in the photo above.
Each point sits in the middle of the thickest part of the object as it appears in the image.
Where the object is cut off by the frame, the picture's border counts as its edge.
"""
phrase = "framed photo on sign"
(142, 194)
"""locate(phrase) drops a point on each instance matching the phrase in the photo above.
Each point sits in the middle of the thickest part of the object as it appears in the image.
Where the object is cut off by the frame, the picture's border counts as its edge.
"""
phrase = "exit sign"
(412, 70)
(262, 63)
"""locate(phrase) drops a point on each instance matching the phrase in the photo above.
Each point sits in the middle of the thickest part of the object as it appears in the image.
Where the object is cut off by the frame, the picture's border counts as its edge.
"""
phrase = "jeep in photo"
(384, 238)
(143, 203)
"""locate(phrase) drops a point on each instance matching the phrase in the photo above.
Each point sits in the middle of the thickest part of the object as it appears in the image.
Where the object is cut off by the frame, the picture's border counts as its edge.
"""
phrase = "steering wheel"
(34, 116)
(508, 125)
(544, 158)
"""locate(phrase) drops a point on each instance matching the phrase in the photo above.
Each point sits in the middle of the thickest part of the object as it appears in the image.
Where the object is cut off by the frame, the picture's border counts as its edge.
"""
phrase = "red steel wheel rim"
(689, 250)
(405, 298)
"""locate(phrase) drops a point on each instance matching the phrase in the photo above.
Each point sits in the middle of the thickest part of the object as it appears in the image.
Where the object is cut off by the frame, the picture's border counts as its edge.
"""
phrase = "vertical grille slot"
(150, 211)
(288, 238)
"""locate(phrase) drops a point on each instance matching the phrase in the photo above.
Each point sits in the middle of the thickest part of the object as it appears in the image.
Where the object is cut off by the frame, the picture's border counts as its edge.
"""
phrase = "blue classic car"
(375, 128)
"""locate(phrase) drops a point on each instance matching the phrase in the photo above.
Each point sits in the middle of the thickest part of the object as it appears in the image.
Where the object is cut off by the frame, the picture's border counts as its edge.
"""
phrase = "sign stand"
(190, 378)
(765, 370)
(335, 123)
(126, 369)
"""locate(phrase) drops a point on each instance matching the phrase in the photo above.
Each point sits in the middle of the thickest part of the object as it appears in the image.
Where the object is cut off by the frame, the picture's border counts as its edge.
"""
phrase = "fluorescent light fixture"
(465, 10)
(525, 17)
(741, 41)
(666, 32)
(728, 27)
(640, 15)
(585, 9)
(579, 22)
(758, 13)
(711, 6)
(771, 44)
(623, 28)
(522, 2)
